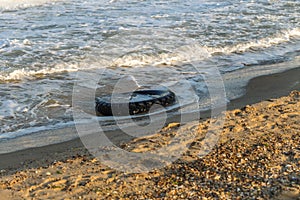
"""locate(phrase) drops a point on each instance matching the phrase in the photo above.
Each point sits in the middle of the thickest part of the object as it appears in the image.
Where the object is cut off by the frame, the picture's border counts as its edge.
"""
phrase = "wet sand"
(257, 156)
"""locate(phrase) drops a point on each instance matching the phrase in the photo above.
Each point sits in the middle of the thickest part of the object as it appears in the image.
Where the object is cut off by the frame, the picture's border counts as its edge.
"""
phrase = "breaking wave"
(283, 37)
(184, 54)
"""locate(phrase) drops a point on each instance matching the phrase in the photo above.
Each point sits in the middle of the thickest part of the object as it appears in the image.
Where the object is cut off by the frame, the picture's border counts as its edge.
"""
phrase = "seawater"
(44, 44)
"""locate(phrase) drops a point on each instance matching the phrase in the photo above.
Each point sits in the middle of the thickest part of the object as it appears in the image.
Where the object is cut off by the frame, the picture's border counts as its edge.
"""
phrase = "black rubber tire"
(136, 106)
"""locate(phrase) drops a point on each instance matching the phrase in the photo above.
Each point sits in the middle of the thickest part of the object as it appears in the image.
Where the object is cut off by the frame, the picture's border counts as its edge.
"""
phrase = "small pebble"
(48, 173)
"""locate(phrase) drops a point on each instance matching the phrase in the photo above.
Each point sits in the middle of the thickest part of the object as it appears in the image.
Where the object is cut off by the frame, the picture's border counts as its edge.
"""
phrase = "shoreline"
(258, 89)
(256, 157)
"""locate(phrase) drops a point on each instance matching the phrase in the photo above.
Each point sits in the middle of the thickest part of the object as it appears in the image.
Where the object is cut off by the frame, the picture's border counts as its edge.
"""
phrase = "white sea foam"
(196, 52)
(31, 130)
(184, 54)
(20, 74)
(277, 39)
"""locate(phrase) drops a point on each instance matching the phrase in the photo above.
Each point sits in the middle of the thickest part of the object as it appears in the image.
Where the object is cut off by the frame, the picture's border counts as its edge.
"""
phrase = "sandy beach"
(257, 157)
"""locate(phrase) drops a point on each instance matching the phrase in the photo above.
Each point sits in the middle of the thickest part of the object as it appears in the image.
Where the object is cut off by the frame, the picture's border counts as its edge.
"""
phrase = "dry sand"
(257, 157)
